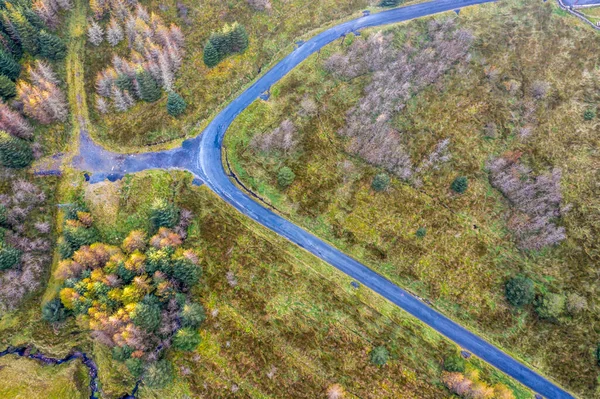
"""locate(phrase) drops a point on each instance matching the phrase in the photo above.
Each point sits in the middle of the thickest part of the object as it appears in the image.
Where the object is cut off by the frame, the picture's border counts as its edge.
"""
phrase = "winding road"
(202, 156)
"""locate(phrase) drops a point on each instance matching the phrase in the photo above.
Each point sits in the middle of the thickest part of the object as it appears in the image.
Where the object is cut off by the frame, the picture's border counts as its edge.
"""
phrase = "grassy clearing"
(467, 254)
(27, 379)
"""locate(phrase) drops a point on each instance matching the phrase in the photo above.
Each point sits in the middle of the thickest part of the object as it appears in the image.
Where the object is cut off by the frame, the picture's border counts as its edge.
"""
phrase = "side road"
(202, 156)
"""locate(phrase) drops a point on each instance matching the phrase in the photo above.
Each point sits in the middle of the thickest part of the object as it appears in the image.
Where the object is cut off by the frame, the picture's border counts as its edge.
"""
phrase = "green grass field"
(467, 254)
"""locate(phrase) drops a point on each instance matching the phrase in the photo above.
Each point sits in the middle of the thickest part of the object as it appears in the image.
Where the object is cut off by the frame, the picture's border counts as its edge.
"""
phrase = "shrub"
(421, 232)
(135, 366)
(379, 355)
(576, 304)
(77, 237)
(192, 315)
(454, 363)
(53, 311)
(7, 88)
(186, 339)
(519, 291)
(175, 104)
(9, 256)
(589, 114)
(164, 214)
(159, 374)
(14, 152)
(285, 177)
(381, 182)
(460, 185)
(550, 306)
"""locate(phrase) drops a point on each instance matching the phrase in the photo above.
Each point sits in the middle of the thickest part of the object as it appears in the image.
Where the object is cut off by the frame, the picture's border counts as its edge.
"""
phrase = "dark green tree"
(7, 88)
(285, 177)
(164, 214)
(135, 366)
(460, 185)
(121, 353)
(33, 19)
(159, 374)
(186, 272)
(10, 46)
(221, 44)
(421, 232)
(519, 291)
(14, 152)
(3, 220)
(211, 55)
(186, 339)
(192, 315)
(381, 182)
(238, 38)
(379, 355)
(124, 273)
(149, 90)
(175, 104)
(146, 315)
(53, 311)
(28, 34)
(77, 237)
(8, 66)
(589, 114)
(389, 3)
(9, 256)
(125, 82)
(51, 46)
(454, 363)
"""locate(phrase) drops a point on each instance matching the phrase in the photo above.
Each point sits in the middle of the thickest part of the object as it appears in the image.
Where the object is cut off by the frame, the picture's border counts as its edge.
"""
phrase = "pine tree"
(95, 34)
(149, 89)
(389, 3)
(238, 38)
(7, 88)
(114, 33)
(175, 104)
(10, 46)
(9, 256)
(34, 19)
(27, 33)
(220, 43)
(211, 56)
(51, 46)
(8, 66)
(14, 152)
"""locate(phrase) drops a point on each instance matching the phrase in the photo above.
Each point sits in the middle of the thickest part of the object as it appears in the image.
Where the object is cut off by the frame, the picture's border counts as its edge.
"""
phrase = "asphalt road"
(203, 157)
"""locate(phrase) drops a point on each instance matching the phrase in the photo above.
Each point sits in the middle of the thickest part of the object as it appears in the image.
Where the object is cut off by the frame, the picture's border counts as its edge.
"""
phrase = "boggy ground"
(489, 104)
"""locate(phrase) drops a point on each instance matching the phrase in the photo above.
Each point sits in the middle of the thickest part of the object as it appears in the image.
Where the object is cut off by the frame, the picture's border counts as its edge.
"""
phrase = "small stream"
(88, 362)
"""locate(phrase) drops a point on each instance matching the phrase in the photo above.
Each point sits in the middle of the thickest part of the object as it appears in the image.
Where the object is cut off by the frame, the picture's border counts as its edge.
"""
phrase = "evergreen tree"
(9, 256)
(53, 311)
(220, 43)
(146, 315)
(159, 374)
(125, 82)
(8, 66)
(519, 291)
(186, 272)
(10, 46)
(381, 182)
(379, 355)
(7, 88)
(211, 55)
(34, 19)
(27, 33)
(238, 38)
(164, 214)
(135, 366)
(149, 89)
(192, 315)
(186, 339)
(175, 104)
(389, 3)
(14, 152)
(460, 185)
(454, 363)
(51, 46)
(121, 353)
(285, 177)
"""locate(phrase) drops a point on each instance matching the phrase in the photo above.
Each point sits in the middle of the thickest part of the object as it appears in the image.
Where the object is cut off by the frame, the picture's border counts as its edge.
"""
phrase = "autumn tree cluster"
(155, 56)
(134, 298)
(43, 99)
(535, 202)
(232, 39)
(397, 75)
(25, 248)
(469, 386)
